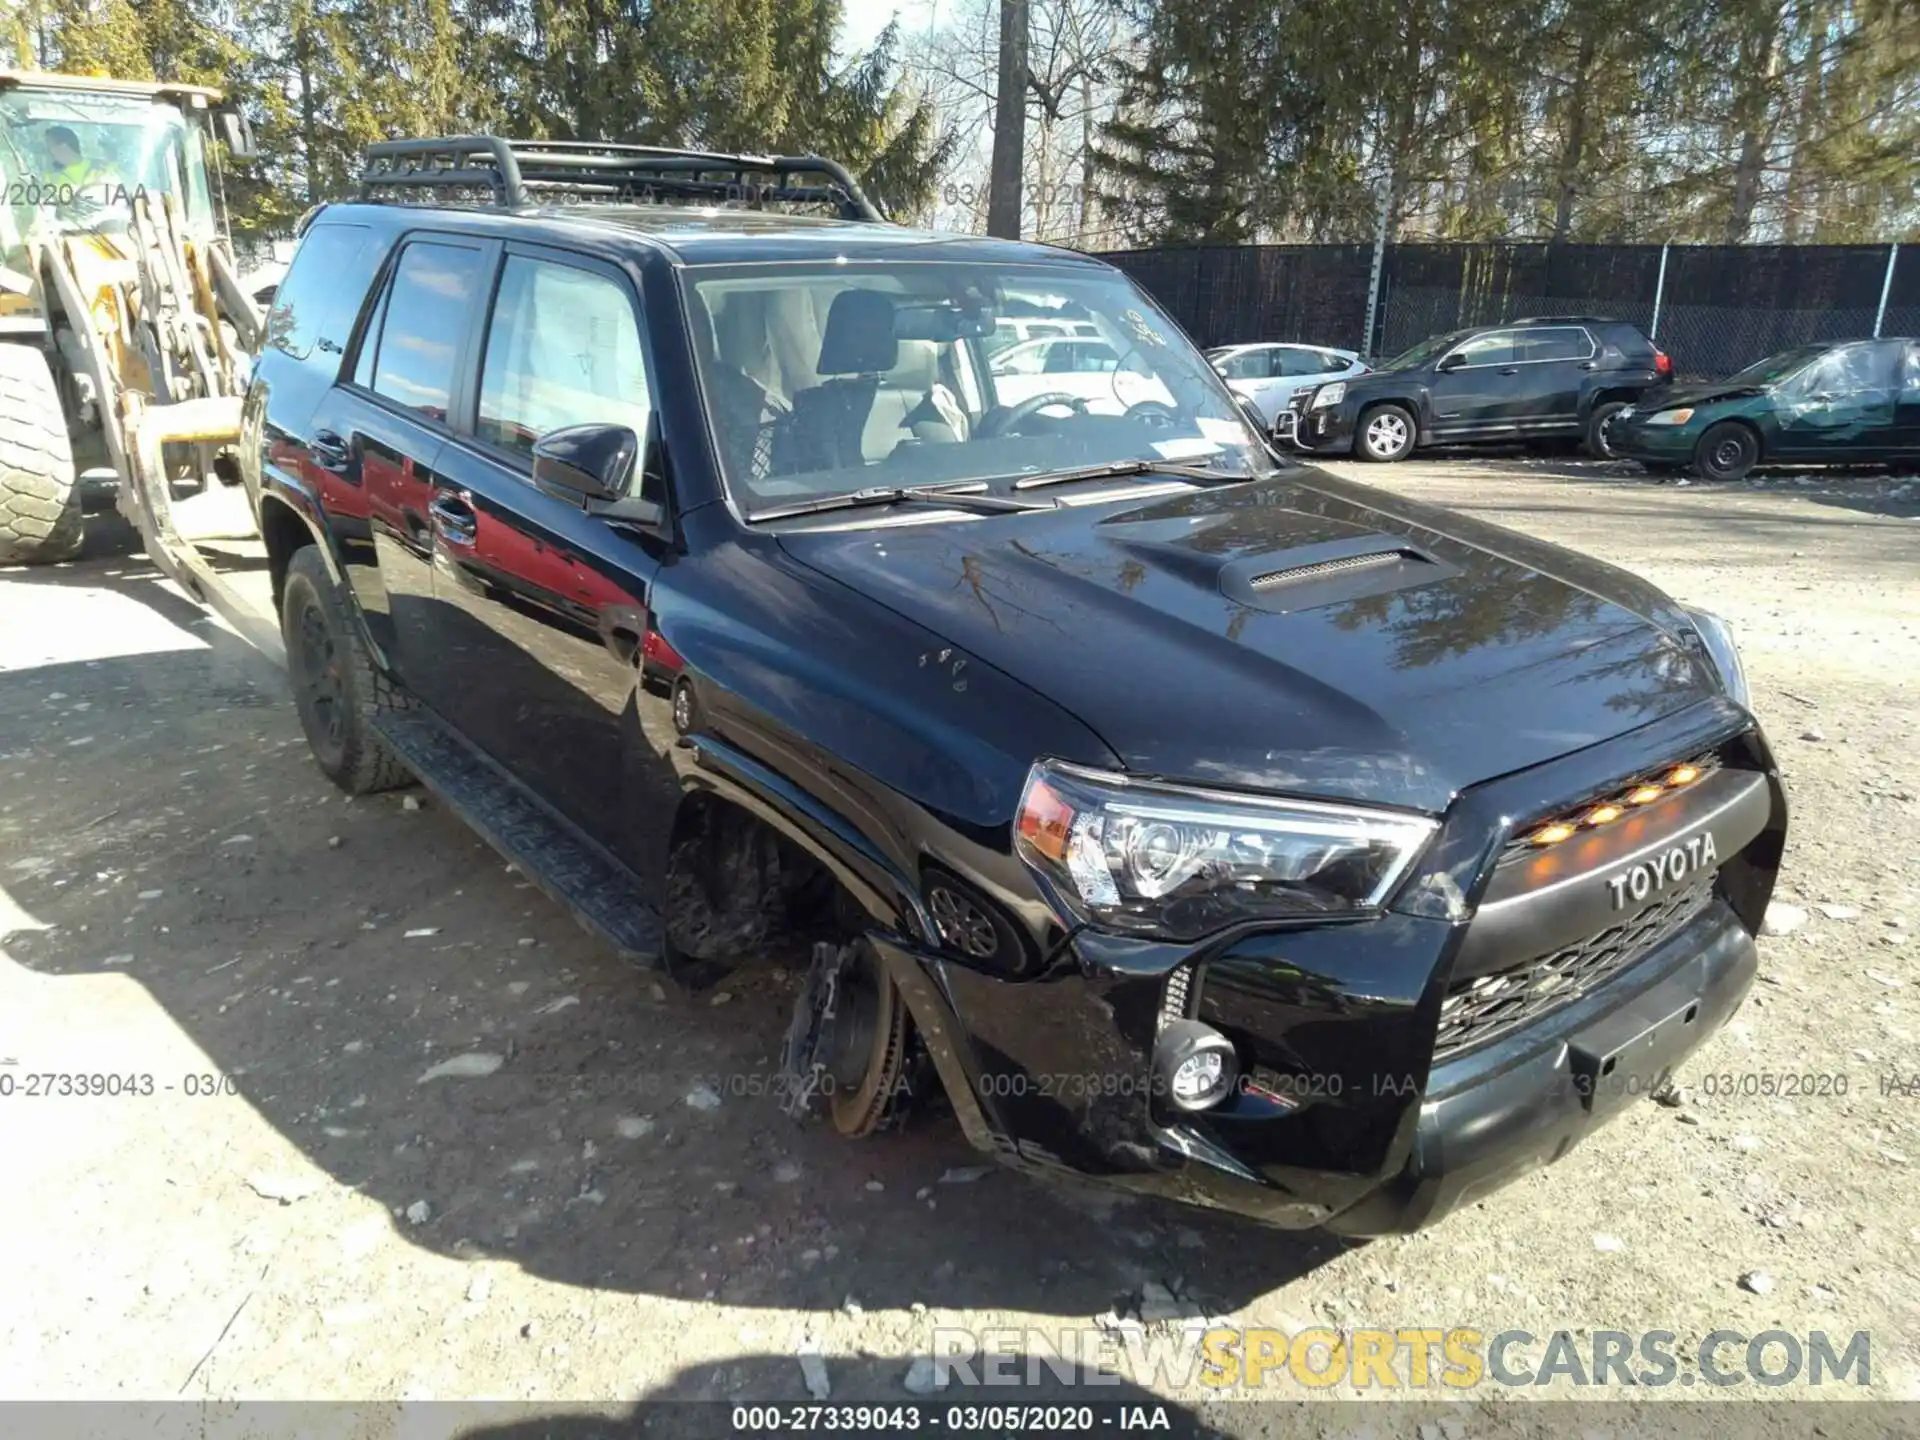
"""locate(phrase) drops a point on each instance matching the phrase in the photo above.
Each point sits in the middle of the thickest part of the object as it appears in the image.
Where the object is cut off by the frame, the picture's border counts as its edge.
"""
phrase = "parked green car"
(1855, 401)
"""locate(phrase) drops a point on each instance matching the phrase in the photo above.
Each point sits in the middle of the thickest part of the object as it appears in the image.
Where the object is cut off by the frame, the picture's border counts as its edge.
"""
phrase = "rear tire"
(336, 688)
(1384, 434)
(40, 520)
(1598, 424)
(1726, 452)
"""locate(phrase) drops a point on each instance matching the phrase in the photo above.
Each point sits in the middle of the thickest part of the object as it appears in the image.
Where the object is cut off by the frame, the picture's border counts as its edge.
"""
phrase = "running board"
(574, 872)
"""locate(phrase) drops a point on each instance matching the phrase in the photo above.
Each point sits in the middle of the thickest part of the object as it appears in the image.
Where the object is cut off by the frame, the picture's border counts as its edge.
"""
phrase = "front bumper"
(1351, 1124)
(1633, 438)
(1328, 430)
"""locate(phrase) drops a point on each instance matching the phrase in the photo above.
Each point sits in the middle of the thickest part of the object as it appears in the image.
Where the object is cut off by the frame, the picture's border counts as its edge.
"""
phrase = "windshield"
(1776, 367)
(826, 378)
(1427, 350)
(73, 159)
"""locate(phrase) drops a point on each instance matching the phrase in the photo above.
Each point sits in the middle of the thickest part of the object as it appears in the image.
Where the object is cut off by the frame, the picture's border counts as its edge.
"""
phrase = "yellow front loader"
(124, 330)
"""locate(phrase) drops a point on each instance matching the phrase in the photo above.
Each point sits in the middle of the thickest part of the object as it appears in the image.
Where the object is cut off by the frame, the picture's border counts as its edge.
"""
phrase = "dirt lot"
(305, 1206)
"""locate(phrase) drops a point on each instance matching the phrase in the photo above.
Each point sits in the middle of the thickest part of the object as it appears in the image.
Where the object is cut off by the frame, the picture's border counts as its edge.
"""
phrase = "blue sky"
(864, 19)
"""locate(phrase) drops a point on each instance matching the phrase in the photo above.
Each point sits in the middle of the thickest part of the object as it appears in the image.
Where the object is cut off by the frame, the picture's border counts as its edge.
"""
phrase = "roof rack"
(525, 172)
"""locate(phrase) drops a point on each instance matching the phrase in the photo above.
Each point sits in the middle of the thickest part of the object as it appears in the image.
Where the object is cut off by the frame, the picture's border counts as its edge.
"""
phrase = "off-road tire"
(1595, 441)
(40, 520)
(1727, 452)
(1408, 433)
(336, 688)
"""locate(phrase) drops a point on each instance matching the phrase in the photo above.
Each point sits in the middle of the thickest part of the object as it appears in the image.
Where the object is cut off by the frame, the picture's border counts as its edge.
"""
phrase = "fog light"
(1194, 1065)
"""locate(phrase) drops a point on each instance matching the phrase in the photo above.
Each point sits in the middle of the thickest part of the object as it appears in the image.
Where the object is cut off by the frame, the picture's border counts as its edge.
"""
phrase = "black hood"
(1301, 635)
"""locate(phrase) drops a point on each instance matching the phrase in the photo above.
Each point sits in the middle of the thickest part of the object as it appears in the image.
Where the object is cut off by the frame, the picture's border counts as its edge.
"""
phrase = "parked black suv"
(1194, 820)
(1554, 377)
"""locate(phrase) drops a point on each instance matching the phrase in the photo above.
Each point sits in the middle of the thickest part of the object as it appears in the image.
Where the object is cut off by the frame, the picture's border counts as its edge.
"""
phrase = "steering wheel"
(1161, 417)
(1002, 422)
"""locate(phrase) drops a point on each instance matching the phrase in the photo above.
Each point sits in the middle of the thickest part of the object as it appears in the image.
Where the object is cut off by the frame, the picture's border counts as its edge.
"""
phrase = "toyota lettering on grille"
(1650, 877)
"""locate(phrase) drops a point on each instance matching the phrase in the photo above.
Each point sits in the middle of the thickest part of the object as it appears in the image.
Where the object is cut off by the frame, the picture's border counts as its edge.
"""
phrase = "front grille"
(1522, 846)
(1486, 1007)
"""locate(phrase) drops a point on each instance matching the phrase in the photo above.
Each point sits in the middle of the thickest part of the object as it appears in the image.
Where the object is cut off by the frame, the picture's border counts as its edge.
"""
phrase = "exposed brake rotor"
(848, 1040)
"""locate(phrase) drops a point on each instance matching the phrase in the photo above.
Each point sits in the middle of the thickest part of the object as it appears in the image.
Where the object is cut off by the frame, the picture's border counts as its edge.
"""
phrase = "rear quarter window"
(321, 294)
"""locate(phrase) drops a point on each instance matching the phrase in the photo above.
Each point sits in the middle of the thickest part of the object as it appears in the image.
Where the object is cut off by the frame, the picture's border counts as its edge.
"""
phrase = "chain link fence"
(1713, 308)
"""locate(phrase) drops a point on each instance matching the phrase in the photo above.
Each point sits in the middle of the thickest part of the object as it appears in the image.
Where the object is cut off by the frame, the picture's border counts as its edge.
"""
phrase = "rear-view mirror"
(942, 323)
(1451, 362)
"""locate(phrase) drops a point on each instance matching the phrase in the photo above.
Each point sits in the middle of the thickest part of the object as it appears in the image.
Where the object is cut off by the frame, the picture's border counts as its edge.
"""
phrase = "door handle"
(1589, 364)
(1511, 370)
(329, 452)
(453, 516)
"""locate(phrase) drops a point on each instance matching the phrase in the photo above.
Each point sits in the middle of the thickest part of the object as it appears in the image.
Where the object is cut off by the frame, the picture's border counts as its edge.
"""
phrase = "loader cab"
(74, 150)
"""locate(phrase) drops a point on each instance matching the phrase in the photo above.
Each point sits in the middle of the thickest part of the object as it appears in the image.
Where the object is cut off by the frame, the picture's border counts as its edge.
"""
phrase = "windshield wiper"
(972, 497)
(1120, 469)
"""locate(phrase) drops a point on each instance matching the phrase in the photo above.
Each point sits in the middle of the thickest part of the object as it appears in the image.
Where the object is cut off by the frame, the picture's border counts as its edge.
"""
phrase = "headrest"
(917, 367)
(859, 335)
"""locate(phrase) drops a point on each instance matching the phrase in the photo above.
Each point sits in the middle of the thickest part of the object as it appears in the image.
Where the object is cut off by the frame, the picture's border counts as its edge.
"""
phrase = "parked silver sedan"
(1268, 374)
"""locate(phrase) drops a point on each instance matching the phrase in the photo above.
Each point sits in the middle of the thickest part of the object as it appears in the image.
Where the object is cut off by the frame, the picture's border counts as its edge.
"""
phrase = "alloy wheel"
(1386, 434)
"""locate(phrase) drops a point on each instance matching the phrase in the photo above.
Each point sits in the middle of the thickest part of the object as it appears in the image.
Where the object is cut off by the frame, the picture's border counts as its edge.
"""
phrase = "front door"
(1473, 396)
(541, 608)
(1840, 406)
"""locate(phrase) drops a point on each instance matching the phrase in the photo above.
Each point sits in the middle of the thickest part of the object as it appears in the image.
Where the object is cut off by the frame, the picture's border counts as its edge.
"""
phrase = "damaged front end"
(1321, 1069)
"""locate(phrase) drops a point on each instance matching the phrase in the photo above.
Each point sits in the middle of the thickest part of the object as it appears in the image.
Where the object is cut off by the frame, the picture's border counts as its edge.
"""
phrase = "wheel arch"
(286, 529)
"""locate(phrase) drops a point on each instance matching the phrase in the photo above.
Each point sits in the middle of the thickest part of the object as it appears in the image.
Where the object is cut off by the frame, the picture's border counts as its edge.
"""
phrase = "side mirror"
(1451, 361)
(230, 123)
(593, 466)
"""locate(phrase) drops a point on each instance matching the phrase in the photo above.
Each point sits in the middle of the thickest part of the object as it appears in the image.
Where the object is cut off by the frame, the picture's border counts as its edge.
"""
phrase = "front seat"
(829, 420)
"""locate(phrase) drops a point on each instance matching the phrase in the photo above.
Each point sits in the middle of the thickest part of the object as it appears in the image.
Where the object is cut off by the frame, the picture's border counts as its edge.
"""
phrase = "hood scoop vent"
(1330, 574)
(1297, 574)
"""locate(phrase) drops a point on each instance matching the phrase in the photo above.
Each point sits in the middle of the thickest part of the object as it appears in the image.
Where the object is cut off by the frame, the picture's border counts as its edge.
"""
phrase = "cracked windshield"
(831, 378)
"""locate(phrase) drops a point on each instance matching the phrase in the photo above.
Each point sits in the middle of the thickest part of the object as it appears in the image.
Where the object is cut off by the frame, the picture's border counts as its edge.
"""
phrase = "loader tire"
(40, 521)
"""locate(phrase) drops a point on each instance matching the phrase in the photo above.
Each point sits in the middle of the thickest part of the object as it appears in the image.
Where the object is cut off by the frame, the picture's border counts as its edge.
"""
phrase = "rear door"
(1906, 399)
(1553, 361)
(542, 608)
(380, 432)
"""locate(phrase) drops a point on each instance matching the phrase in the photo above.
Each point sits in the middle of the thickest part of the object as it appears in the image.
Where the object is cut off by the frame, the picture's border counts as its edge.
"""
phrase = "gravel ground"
(412, 1135)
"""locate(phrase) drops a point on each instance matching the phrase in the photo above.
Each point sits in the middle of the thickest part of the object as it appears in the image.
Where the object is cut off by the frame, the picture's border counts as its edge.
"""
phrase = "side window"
(1333, 364)
(426, 308)
(1909, 380)
(1296, 363)
(1555, 344)
(562, 349)
(321, 292)
(1493, 348)
(1247, 365)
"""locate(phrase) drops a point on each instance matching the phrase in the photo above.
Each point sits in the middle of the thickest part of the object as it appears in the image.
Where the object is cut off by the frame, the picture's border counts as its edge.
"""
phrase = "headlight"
(1168, 861)
(1329, 395)
(1716, 638)
(1670, 417)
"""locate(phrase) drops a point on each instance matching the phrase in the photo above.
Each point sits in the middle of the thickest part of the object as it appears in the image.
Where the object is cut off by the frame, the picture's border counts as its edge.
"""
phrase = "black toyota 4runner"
(1194, 820)
(1553, 378)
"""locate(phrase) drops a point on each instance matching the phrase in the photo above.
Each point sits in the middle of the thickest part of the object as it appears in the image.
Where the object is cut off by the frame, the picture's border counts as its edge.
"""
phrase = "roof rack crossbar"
(514, 169)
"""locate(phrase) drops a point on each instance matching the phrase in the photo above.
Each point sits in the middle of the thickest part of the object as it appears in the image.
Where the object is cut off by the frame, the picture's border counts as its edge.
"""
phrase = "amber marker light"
(1552, 834)
(1646, 795)
(1601, 814)
(1683, 775)
(1046, 821)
